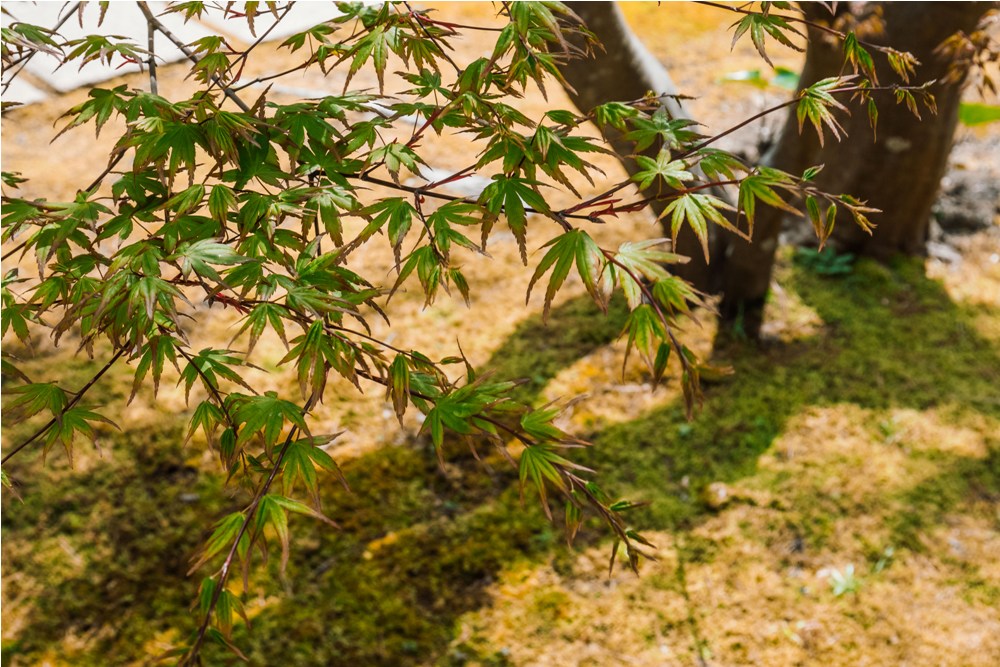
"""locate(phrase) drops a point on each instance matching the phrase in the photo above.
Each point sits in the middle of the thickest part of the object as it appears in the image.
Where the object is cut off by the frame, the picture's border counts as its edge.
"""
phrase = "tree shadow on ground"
(102, 555)
(891, 338)
(420, 545)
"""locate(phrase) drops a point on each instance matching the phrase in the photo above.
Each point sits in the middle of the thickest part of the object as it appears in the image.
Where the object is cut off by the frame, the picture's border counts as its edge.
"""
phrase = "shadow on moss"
(103, 555)
(891, 338)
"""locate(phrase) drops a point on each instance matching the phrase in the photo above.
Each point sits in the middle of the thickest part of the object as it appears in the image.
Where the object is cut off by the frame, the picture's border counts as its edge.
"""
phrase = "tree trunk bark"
(626, 70)
(746, 267)
(899, 172)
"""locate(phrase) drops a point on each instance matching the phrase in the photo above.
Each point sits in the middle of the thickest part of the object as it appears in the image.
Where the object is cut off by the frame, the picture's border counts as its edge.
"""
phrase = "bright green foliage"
(259, 207)
(859, 58)
(510, 195)
(765, 24)
(816, 104)
(208, 366)
(613, 114)
(672, 172)
(661, 128)
(102, 48)
(538, 463)
(643, 261)
(697, 210)
(577, 247)
(302, 459)
(265, 415)
(759, 186)
(645, 330)
(99, 107)
(24, 38)
(226, 531)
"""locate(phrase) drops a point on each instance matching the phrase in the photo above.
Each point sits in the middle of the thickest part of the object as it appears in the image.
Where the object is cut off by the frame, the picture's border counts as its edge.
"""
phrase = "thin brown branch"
(685, 365)
(76, 399)
(191, 658)
(422, 190)
(242, 58)
(211, 388)
(793, 19)
(444, 53)
(734, 128)
(151, 36)
(189, 54)
(23, 60)
(269, 77)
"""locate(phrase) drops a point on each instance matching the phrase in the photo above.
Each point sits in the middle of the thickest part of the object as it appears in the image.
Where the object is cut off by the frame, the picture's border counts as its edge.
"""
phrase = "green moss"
(960, 480)
(105, 553)
(549, 608)
(466, 654)
(418, 548)
(539, 349)
(397, 604)
(698, 549)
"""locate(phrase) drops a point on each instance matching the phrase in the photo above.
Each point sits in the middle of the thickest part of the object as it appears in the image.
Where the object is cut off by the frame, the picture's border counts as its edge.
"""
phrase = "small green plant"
(825, 262)
(885, 560)
(844, 582)
(783, 78)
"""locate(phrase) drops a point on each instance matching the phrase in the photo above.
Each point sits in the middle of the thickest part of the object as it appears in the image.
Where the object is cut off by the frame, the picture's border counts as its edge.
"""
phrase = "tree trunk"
(899, 172)
(626, 70)
(746, 267)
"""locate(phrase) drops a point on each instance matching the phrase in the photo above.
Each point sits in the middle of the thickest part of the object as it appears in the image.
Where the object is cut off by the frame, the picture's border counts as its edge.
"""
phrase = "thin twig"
(244, 55)
(192, 655)
(76, 399)
(212, 389)
(151, 32)
(23, 60)
(155, 22)
(268, 77)
(685, 365)
(794, 19)
(444, 52)
(734, 128)
(438, 195)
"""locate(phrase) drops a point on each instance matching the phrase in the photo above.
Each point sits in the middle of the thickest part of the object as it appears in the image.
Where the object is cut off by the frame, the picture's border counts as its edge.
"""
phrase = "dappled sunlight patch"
(927, 431)
(873, 468)
(975, 280)
(799, 566)
(781, 605)
(160, 642)
(787, 318)
(970, 544)
(612, 388)
(833, 454)
(836, 487)
(539, 617)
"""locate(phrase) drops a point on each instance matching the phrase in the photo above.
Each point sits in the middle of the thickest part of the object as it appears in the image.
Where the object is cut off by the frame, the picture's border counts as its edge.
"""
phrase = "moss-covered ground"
(835, 502)
(871, 440)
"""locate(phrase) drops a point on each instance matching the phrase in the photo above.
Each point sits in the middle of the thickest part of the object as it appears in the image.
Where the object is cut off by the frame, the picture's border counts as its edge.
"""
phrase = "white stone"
(23, 92)
(301, 17)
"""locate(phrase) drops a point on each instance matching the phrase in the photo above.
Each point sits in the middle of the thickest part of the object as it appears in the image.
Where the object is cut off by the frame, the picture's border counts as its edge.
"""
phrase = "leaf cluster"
(261, 208)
